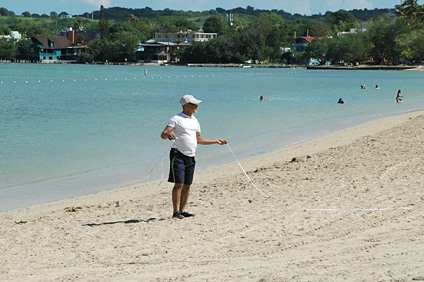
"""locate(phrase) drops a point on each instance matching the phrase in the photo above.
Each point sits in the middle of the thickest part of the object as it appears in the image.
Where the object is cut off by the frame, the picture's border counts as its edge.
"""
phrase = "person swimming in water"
(340, 101)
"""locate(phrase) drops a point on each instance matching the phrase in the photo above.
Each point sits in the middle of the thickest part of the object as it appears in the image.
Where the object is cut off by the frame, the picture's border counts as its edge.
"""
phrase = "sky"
(303, 7)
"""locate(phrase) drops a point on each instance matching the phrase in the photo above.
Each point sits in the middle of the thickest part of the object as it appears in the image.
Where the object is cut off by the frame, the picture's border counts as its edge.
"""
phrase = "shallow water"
(70, 130)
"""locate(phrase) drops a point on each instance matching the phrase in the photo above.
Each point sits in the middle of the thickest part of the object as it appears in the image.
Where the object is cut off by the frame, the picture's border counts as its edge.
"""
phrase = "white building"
(184, 36)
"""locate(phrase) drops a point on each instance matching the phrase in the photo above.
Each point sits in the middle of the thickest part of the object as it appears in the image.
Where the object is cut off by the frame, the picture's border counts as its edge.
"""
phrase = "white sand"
(372, 176)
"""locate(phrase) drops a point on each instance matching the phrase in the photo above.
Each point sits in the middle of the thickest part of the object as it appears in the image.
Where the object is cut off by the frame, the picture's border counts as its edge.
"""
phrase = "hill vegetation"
(390, 35)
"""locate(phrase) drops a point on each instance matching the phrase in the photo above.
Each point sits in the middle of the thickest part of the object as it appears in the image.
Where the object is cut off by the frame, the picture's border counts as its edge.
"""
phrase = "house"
(54, 48)
(162, 48)
(301, 42)
(184, 36)
(351, 31)
(157, 52)
(16, 35)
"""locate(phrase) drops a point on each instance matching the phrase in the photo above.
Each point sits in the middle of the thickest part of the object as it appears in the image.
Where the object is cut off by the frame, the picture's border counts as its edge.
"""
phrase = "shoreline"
(236, 65)
(364, 67)
(349, 208)
(338, 138)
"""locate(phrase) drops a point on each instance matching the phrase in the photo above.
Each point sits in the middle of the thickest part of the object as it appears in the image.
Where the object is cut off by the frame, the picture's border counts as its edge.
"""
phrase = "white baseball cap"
(189, 99)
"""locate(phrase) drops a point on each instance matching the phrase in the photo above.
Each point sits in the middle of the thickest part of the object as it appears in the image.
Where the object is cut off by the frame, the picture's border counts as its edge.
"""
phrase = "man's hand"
(167, 133)
(171, 136)
(221, 141)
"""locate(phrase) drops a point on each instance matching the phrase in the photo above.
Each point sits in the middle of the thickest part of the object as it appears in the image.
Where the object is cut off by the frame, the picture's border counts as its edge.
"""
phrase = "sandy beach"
(349, 207)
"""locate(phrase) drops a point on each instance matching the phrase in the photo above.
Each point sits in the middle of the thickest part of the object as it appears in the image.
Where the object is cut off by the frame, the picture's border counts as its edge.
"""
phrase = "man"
(185, 130)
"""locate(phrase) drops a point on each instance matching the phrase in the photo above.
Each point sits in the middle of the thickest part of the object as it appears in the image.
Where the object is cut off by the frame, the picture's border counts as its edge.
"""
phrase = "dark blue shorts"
(182, 168)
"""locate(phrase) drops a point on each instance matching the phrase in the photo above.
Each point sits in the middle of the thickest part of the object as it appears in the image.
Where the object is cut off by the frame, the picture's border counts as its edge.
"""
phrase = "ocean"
(72, 130)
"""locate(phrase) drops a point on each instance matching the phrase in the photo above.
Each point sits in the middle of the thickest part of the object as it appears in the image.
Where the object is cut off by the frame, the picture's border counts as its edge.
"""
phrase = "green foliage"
(7, 49)
(22, 49)
(318, 49)
(5, 30)
(6, 12)
(411, 46)
(214, 24)
(383, 33)
(342, 20)
(103, 22)
(411, 11)
(260, 34)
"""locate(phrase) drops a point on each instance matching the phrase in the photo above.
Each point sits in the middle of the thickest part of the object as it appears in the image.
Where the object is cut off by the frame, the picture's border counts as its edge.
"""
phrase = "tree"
(53, 15)
(252, 43)
(274, 32)
(410, 10)
(103, 23)
(7, 49)
(184, 24)
(341, 20)
(78, 25)
(26, 14)
(22, 48)
(133, 20)
(411, 46)
(79, 38)
(4, 12)
(383, 33)
(214, 24)
(318, 49)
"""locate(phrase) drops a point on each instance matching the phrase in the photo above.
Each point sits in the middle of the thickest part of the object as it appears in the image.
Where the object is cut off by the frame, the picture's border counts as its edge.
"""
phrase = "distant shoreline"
(364, 67)
(234, 65)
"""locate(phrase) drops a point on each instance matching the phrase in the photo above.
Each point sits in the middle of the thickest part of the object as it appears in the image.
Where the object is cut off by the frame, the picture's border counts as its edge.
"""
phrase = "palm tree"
(410, 9)
(133, 20)
(77, 25)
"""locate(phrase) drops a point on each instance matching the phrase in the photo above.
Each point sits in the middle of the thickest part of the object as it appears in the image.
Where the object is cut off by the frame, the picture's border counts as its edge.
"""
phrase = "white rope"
(254, 185)
(161, 160)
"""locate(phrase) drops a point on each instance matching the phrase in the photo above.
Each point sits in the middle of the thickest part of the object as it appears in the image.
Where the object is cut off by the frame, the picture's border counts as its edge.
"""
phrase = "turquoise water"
(70, 130)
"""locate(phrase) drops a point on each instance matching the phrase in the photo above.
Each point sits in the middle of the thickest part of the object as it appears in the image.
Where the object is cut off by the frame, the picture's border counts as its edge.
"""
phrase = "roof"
(159, 44)
(306, 39)
(60, 42)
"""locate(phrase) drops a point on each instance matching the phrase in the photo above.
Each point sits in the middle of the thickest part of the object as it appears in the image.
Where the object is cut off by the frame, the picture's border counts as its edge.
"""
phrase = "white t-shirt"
(185, 129)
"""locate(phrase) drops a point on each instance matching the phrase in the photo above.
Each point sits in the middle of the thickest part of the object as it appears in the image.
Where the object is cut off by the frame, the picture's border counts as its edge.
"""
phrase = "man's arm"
(205, 141)
(167, 133)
